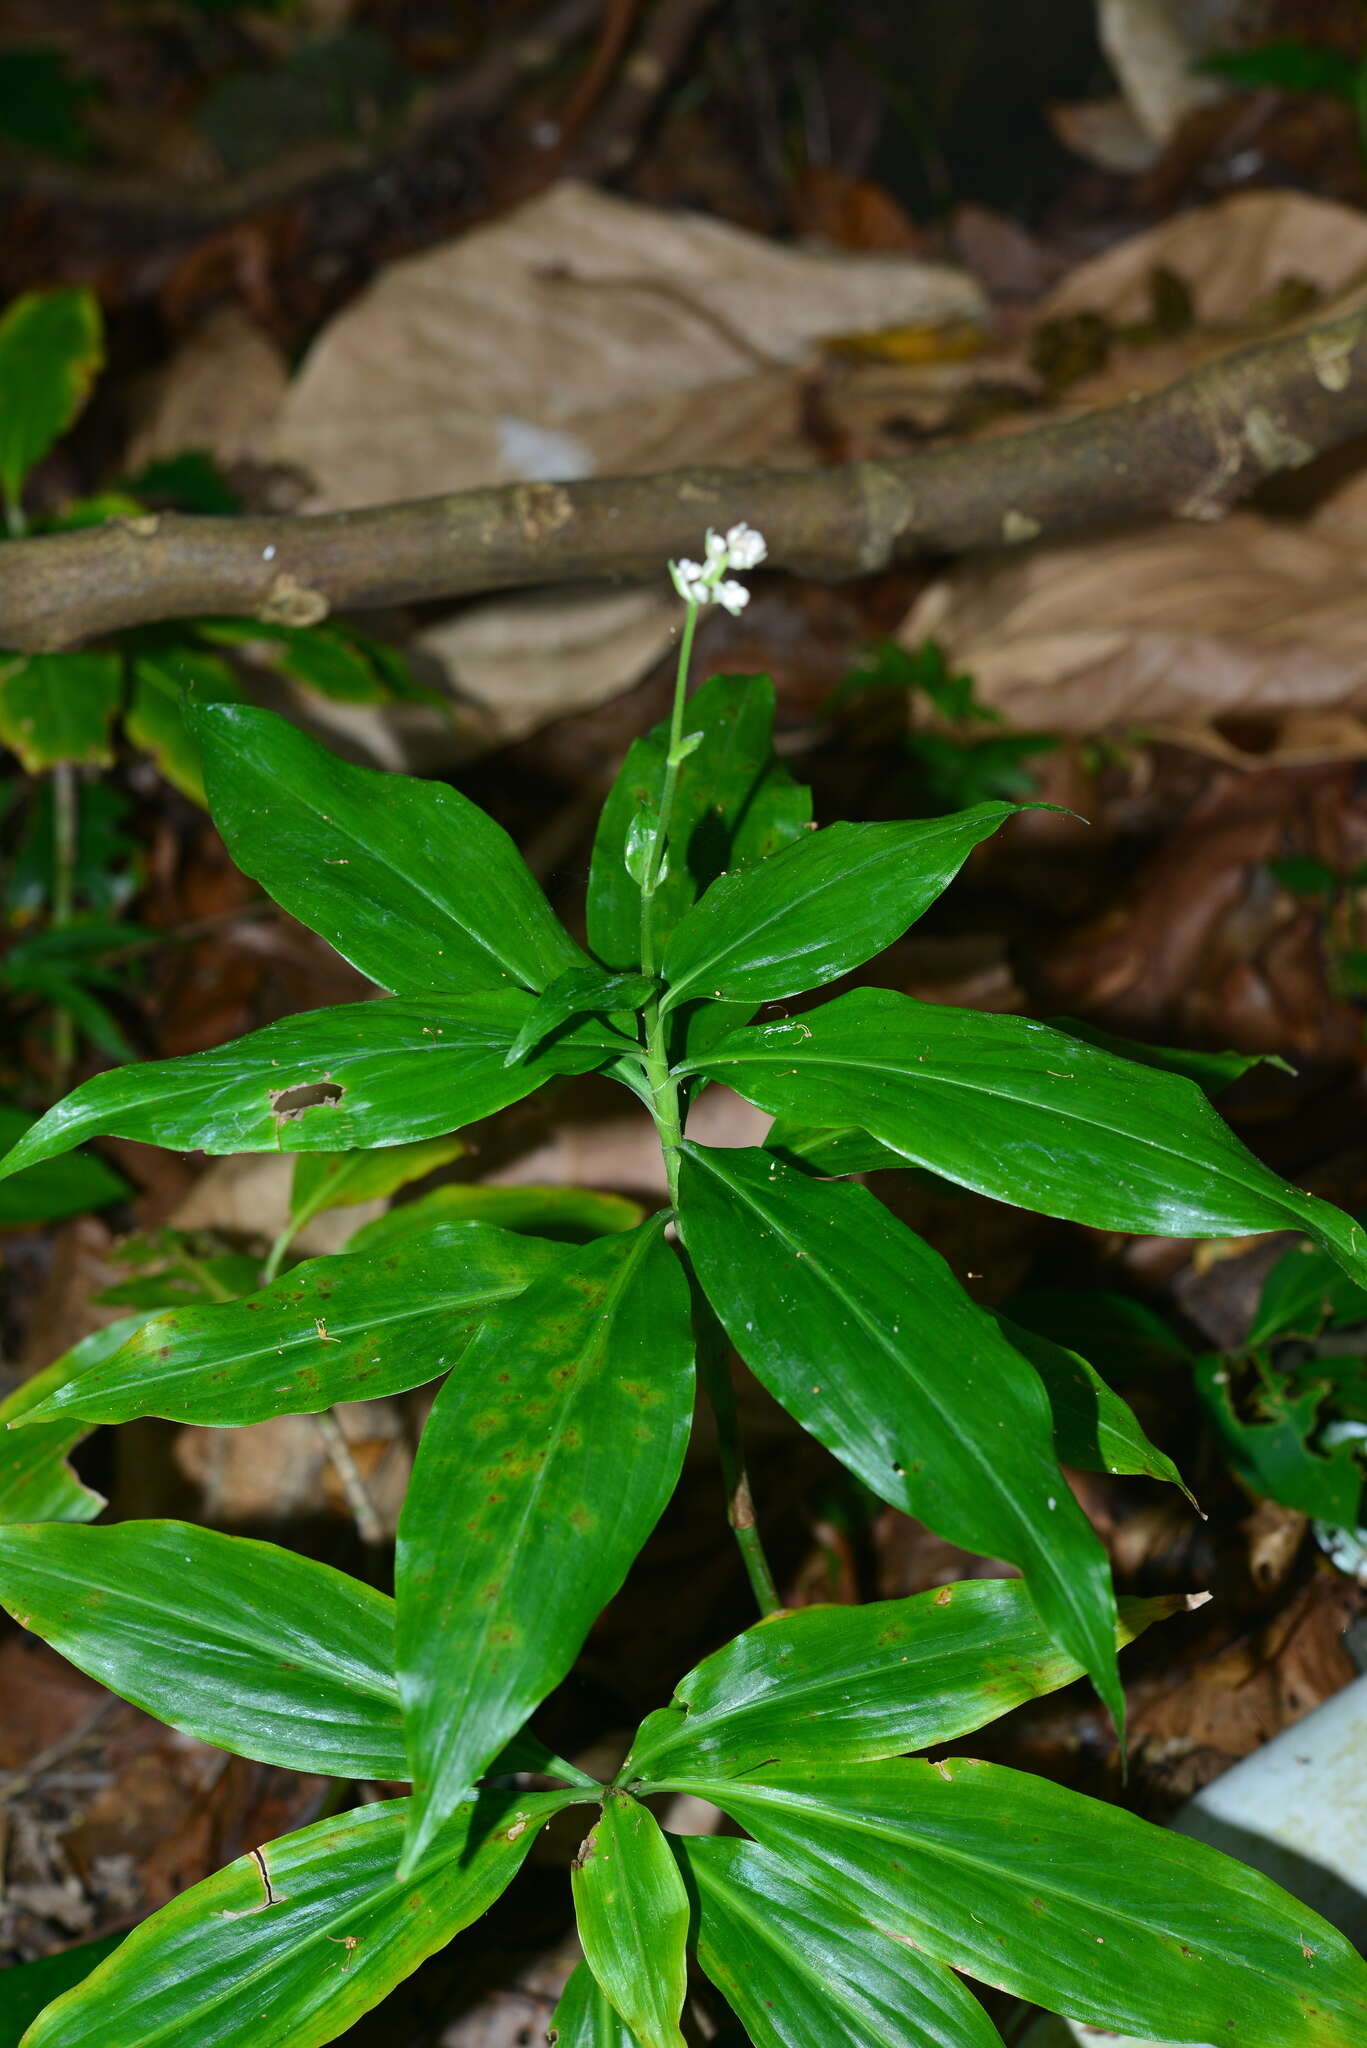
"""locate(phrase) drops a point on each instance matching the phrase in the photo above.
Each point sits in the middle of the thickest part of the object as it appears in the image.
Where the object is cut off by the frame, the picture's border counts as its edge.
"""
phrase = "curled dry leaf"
(1180, 630)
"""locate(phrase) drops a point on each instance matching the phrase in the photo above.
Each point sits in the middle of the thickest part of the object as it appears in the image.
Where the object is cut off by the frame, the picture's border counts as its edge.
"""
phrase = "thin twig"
(1189, 451)
(66, 829)
(365, 1514)
(619, 125)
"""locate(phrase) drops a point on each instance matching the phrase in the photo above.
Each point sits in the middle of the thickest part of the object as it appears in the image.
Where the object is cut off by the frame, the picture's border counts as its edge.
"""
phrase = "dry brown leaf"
(221, 392)
(1168, 630)
(1179, 629)
(575, 337)
(1233, 256)
(581, 335)
(1153, 47)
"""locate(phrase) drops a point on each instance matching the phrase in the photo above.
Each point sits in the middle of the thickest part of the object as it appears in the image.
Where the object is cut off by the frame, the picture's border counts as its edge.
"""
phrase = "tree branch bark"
(1189, 451)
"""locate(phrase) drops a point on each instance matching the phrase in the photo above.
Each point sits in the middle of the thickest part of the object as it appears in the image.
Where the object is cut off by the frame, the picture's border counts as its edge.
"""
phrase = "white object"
(1296, 1810)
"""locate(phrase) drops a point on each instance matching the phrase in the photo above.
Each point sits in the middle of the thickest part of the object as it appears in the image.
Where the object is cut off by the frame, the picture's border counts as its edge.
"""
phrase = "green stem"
(664, 1096)
(65, 847)
(714, 1370)
(276, 1253)
(673, 762)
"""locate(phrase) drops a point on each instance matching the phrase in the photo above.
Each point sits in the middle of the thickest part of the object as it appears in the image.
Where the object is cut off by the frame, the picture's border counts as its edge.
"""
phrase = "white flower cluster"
(707, 582)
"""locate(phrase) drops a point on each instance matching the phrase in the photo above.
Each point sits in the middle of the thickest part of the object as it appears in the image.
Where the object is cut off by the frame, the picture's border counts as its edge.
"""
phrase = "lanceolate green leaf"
(51, 349)
(584, 2019)
(864, 1335)
(237, 1642)
(1093, 1428)
(733, 804)
(829, 1153)
(409, 880)
(36, 1483)
(244, 1645)
(841, 1684)
(338, 1180)
(568, 1215)
(348, 1328)
(632, 1913)
(1060, 1899)
(797, 1965)
(1018, 1111)
(1212, 1072)
(818, 908)
(578, 992)
(544, 1465)
(47, 1193)
(223, 1963)
(360, 1074)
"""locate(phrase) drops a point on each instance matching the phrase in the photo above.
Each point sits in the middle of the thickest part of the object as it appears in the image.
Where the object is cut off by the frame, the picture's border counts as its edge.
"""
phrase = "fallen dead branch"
(1189, 451)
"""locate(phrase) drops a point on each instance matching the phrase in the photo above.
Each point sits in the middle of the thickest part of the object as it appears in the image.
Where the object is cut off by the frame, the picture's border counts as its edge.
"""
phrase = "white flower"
(691, 581)
(745, 547)
(706, 582)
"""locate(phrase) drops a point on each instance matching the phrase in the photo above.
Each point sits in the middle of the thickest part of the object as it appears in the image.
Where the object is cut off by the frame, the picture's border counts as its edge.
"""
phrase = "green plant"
(1288, 1405)
(870, 1878)
(1297, 67)
(954, 762)
(59, 713)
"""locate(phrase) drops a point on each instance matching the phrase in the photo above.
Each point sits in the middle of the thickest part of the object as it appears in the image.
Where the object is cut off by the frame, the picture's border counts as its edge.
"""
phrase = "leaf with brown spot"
(574, 1506)
(392, 1321)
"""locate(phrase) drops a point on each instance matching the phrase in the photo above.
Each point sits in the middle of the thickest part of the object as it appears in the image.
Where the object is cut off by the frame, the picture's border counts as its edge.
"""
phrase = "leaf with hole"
(1268, 1422)
(409, 880)
(863, 1334)
(1017, 1111)
(296, 1941)
(632, 1913)
(360, 1074)
(544, 1465)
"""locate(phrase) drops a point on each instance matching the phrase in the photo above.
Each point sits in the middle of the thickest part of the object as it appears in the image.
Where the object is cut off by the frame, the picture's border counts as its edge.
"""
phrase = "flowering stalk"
(698, 584)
